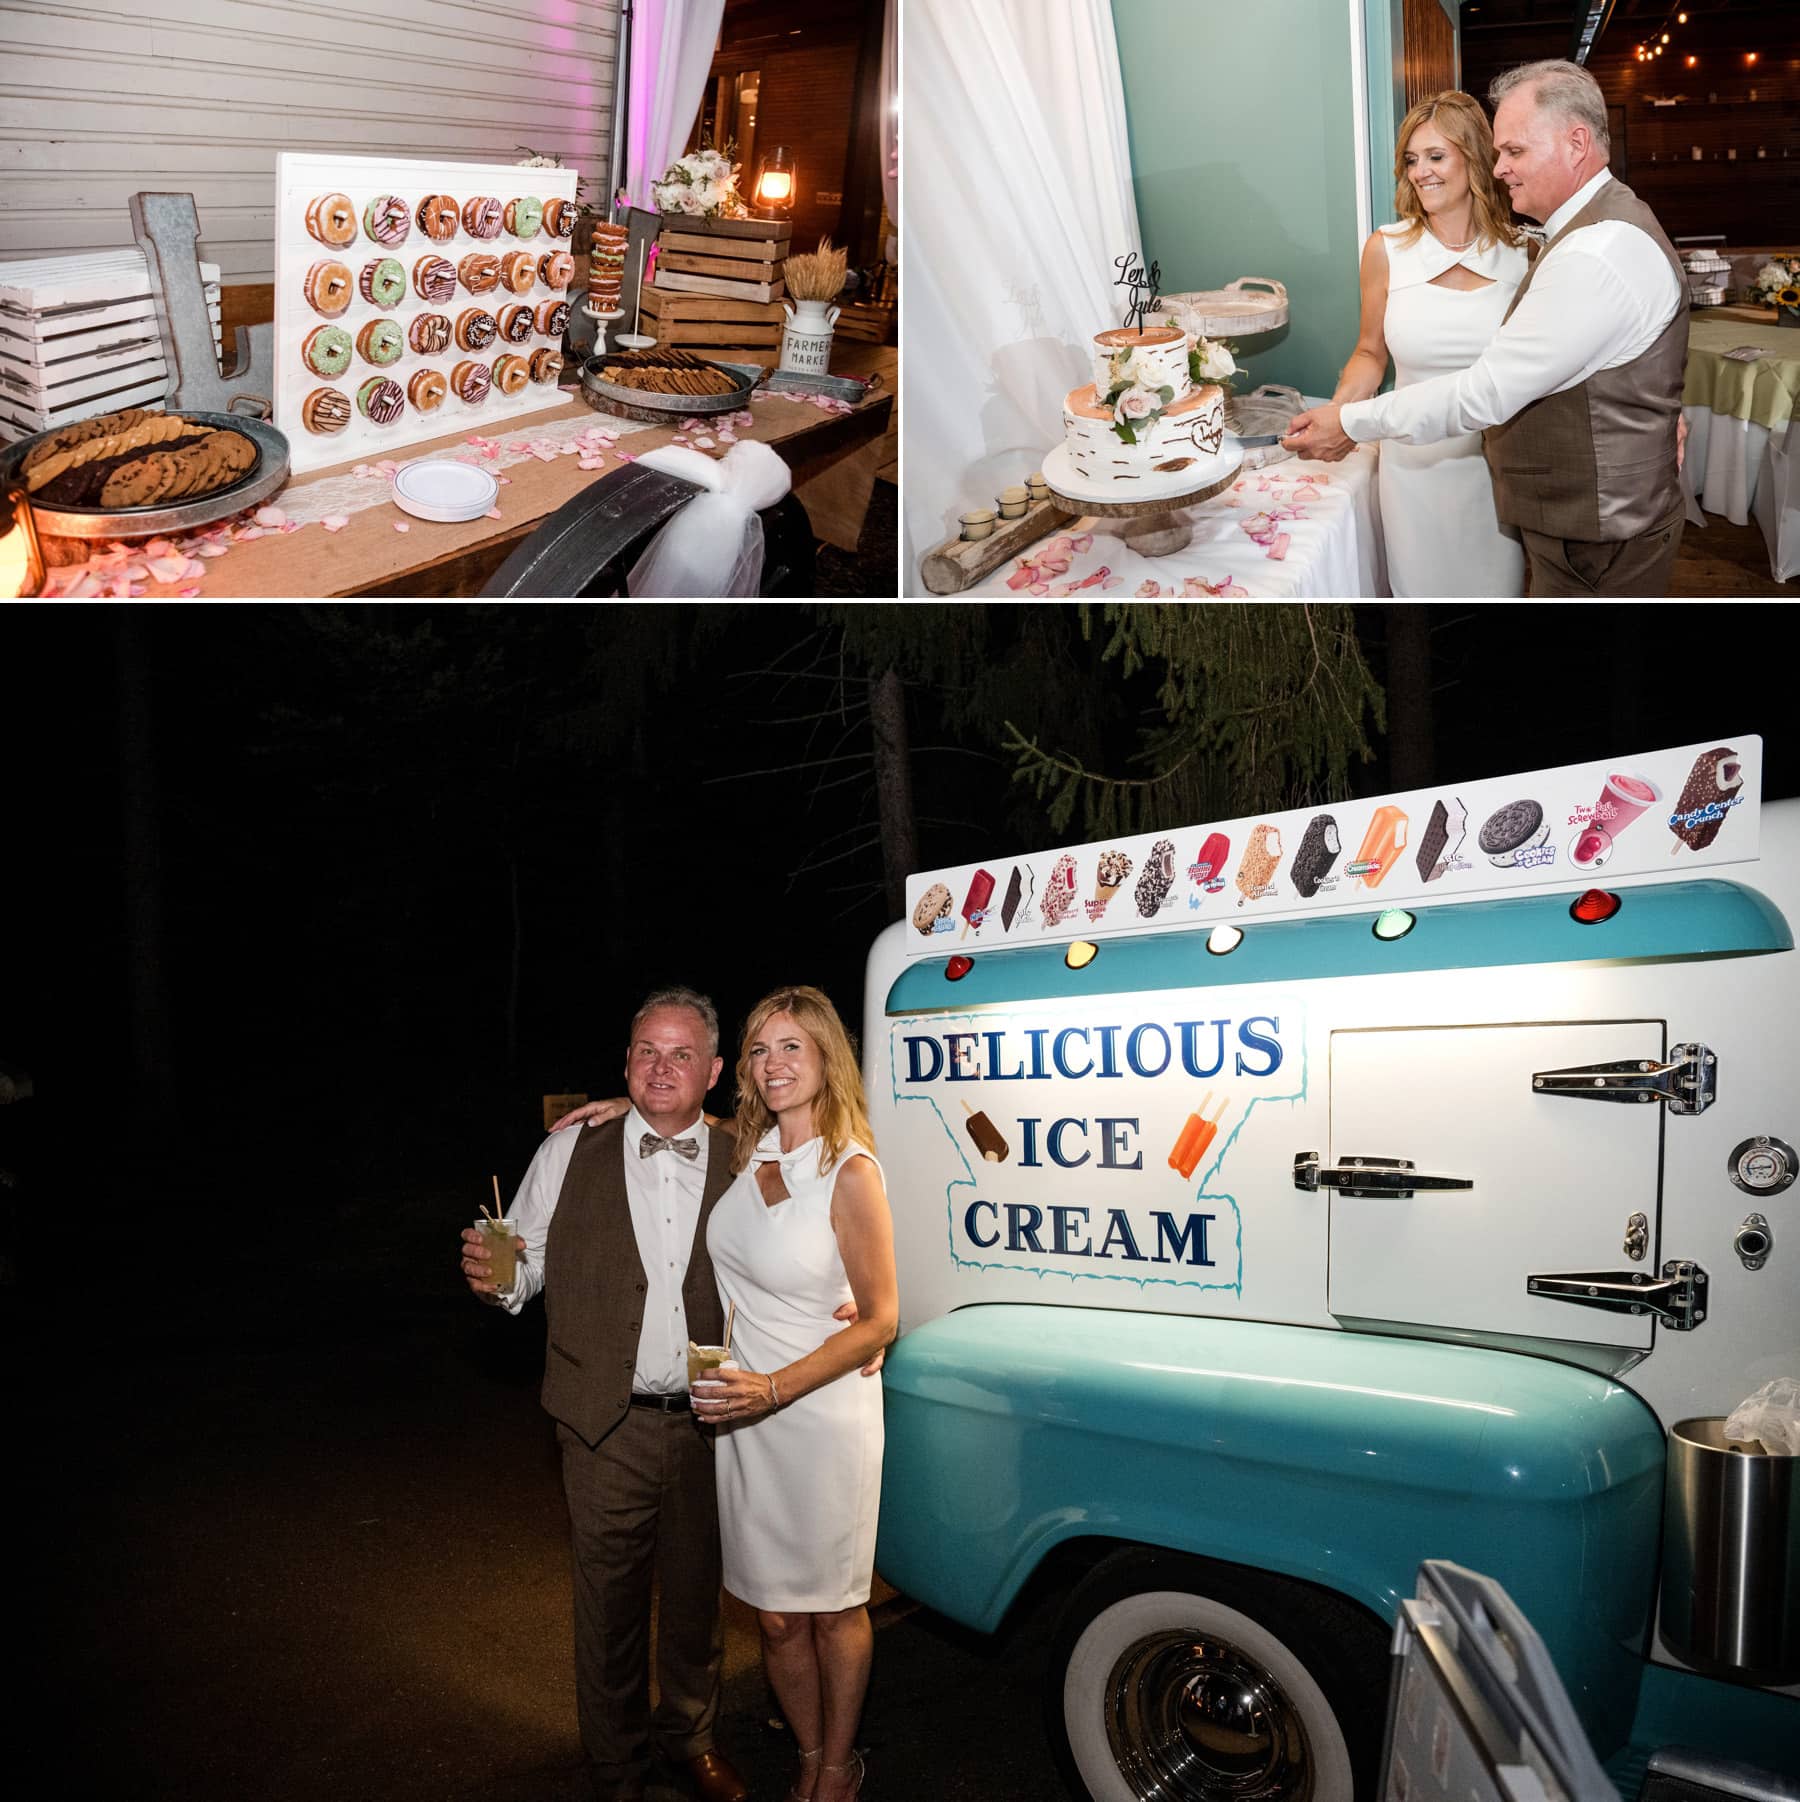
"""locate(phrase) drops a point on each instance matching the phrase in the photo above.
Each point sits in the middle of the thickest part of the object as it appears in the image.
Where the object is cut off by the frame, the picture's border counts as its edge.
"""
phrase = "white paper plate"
(445, 492)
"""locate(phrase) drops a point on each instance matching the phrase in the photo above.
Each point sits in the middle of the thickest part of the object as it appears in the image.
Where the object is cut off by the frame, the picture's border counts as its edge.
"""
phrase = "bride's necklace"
(1448, 245)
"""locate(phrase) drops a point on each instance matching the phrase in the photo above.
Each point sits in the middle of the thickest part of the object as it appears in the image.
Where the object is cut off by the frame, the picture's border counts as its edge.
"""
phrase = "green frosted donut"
(524, 216)
(327, 350)
(381, 342)
(383, 282)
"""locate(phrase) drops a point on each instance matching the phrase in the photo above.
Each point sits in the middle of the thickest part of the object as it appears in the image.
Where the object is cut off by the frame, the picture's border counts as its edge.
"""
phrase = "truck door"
(1554, 1180)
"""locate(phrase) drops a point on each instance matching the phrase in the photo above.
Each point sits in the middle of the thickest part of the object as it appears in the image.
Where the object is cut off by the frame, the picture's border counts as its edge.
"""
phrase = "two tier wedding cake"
(1149, 410)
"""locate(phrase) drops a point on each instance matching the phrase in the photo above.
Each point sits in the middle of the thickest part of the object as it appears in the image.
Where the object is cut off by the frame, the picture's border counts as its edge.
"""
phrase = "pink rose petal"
(703, 444)
(504, 481)
(213, 550)
(168, 569)
(492, 513)
(591, 463)
(1279, 549)
(335, 522)
(189, 592)
(270, 516)
(400, 525)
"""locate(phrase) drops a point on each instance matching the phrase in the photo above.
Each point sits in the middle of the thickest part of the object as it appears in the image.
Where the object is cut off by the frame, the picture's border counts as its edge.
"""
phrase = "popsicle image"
(1261, 856)
(1381, 845)
(1210, 861)
(1158, 877)
(1059, 892)
(1717, 775)
(1190, 1146)
(986, 1136)
(1018, 894)
(975, 902)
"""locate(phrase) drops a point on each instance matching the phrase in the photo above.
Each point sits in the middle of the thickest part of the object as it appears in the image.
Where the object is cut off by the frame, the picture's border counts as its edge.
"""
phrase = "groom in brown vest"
(612, 1227)
(1579, 394)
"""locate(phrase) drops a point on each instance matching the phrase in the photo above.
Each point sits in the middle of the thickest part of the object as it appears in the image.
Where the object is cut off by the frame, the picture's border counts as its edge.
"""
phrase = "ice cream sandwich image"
(1058, 898)
(1261, 857)
(986, 1136)
(1157, 879)
(1209, 865)
(1443, 837)
(1380, 848)
(1319, 849)
(934, 905)
(1509, 831)
(1712, 784)
(1018, 894)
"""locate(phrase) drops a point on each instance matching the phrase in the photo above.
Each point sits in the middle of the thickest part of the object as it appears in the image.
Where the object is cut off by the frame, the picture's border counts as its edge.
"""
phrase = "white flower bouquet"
(1778, 282)
(702, 184)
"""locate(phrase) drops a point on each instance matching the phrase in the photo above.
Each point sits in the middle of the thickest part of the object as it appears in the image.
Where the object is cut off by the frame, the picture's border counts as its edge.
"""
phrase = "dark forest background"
(306, 908)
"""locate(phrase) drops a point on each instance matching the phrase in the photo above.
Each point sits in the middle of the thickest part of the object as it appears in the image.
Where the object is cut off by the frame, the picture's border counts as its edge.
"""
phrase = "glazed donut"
(560, 217)
(382, 282)
(479, 272)
(326, 350)
(524, 216)
(434, 279)
(380, 400)
(546, 365)
(332, 220)
(518, 270)
(557, 269)
(471, 382)
(553, 318)
(380, 342)
(325, 411)
(426, 390)
(481, 217)
(387, 220)
(328, 288)
(475, 329)
(437, 216)
(429, 333)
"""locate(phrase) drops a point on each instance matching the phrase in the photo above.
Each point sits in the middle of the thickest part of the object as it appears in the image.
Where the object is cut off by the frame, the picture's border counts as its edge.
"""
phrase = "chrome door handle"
(1369, 1176)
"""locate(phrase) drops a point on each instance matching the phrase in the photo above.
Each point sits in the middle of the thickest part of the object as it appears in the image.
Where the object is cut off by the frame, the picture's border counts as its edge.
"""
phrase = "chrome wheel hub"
(1191, 1718)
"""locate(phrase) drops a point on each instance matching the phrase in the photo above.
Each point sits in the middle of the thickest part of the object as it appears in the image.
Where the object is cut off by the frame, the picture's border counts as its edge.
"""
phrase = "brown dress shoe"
(714, 1780)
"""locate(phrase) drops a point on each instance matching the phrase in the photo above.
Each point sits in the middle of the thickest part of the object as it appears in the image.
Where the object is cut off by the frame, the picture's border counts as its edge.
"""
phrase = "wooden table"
(834, 458)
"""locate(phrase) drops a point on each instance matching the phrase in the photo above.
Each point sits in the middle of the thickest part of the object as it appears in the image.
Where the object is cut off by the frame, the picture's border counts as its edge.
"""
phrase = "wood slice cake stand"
(1153, 528)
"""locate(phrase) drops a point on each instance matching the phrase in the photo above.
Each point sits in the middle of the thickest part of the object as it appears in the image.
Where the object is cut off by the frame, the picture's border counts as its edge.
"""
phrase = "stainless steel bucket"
(1731, 1555)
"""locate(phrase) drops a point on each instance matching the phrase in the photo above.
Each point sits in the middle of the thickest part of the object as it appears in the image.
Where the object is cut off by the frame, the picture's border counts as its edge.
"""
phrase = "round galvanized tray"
(1266, 409)
(658, 409)
(266, 477)
(1240, 309)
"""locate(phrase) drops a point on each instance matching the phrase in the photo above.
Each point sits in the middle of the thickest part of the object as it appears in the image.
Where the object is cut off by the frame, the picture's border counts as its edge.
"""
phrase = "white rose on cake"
(1216, 362)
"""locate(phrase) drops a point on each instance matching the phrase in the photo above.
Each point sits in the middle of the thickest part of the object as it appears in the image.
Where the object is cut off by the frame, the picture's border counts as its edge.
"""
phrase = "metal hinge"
(1687, 1082)
(1677, 1298)
(1369, 1176)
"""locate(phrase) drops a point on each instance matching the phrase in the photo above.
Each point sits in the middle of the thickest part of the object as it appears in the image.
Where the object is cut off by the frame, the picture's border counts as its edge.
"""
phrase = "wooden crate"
(706, 321)
(729, 259)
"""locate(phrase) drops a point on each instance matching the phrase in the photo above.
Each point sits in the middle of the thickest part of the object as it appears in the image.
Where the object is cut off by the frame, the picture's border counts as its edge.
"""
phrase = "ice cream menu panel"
(1656, 813)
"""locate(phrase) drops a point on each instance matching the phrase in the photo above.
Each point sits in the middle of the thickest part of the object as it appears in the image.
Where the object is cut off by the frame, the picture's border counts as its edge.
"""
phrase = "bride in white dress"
(803, 1231)
(1435, 288)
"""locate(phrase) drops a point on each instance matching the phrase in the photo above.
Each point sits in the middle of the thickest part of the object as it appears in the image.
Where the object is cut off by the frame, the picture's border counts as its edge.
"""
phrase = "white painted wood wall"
(100, 100)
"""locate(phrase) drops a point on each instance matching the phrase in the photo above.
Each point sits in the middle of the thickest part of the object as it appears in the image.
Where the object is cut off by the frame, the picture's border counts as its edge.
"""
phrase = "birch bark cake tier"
(1143, 415)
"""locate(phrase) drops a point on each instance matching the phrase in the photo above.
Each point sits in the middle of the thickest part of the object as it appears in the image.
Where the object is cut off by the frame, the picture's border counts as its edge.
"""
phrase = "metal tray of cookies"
(266, 477)
(650, 408)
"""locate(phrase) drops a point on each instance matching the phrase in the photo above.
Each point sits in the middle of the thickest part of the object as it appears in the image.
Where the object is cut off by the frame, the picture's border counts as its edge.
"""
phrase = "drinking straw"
(499, 1205)
(730, 1315)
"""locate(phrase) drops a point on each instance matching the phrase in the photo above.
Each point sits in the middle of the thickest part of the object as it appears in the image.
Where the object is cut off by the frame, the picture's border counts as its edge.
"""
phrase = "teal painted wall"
(1243, 160)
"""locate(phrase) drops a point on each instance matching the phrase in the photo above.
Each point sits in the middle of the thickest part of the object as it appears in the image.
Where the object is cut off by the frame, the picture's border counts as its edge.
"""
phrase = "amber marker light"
(1394, 923)
(1223, 940)
(958, 967)
(1596, 905)
(1080, 954)
(21, 558)
(1750, 56)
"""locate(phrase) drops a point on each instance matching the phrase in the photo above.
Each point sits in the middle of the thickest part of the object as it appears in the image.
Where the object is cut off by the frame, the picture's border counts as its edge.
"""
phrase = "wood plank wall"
(101, 100)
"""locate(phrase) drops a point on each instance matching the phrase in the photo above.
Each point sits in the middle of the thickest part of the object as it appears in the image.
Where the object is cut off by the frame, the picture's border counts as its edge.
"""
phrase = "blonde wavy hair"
(1460, 118)
(840, 1110)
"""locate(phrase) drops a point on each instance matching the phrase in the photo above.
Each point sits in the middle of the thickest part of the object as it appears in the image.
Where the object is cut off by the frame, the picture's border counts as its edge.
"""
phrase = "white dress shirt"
(1600, 298)
(664, 1192)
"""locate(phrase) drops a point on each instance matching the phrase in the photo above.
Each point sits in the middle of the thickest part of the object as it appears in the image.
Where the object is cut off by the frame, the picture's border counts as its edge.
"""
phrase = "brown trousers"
(1606, 569)
(642, 1504)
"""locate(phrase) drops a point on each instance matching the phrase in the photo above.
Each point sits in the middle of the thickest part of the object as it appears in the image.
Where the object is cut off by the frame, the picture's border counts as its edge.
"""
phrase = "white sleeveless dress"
(800, 1489)
(1437, 500)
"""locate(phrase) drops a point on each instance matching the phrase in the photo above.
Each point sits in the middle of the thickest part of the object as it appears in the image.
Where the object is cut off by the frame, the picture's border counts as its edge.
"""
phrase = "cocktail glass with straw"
(503, 1250)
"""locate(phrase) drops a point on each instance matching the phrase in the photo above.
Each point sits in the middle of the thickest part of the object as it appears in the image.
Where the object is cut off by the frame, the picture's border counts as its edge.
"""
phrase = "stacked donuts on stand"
(413, 297)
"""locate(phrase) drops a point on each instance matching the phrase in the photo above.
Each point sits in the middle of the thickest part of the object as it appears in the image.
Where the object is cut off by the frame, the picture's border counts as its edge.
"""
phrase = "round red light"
(1594, 906)
(958, 967)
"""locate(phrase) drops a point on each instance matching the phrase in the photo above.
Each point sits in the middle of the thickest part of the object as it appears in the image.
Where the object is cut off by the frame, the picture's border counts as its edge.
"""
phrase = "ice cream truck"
(1289, 1200)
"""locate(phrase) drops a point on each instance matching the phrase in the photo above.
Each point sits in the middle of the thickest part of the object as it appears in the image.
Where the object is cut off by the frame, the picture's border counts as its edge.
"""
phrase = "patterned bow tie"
(650, 1144)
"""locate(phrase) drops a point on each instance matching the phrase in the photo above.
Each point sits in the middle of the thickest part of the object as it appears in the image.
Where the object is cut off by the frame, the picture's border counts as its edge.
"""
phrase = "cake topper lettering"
(1136, 280)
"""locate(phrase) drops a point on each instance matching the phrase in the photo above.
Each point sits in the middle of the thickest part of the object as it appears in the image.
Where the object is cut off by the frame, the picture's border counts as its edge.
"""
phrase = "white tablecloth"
(1724, 461)
(1297, 530)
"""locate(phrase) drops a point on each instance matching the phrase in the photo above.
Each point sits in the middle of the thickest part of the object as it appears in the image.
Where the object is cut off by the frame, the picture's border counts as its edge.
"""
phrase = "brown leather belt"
(664, 1404)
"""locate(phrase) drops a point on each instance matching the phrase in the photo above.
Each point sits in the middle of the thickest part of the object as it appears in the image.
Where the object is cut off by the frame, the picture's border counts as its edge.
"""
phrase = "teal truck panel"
(1339, 1458)
(1705, 918)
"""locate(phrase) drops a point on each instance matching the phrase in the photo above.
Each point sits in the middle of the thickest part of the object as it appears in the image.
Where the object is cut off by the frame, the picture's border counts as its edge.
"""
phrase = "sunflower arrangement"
(1778, 282)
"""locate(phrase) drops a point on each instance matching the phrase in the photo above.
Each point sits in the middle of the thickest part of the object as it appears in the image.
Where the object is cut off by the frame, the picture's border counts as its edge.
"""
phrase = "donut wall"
(415, 299)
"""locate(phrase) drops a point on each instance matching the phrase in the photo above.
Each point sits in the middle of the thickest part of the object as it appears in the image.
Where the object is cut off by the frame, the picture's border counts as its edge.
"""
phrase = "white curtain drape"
(671, 54)
(1015, 127)
(890, 122)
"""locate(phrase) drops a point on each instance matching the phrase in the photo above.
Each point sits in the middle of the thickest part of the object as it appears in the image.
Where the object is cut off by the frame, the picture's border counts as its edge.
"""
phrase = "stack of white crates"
(78, 337)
